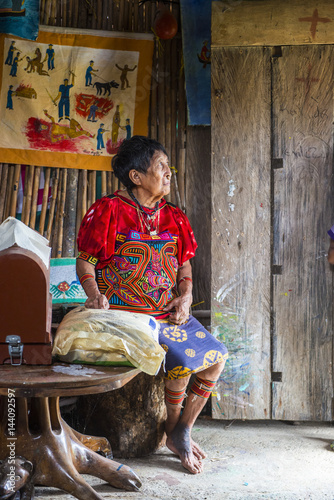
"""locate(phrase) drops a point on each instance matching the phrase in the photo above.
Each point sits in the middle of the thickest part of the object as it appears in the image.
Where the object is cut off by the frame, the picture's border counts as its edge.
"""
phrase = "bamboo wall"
(73, 191)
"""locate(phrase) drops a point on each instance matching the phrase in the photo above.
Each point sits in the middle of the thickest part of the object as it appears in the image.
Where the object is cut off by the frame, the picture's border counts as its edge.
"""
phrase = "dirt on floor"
(246, 460)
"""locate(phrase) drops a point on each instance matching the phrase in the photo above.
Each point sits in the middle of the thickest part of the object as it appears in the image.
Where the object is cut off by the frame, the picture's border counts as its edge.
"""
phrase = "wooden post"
(45, 200)
(9, 190)
(54, 190)
(153, 97)
(84, 193)
(103, 183)
(181, 176)
(34, 197)
(28, 186)
(181, 130)
(89, 189)
(55, 230)
(16, 181)
(109, 182)
(93, 185)
(60, 234)
(3, 188)
(70, 212)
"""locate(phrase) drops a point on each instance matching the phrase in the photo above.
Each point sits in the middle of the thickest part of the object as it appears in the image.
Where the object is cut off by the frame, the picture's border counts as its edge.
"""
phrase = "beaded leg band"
(202, 388)
(174, 397)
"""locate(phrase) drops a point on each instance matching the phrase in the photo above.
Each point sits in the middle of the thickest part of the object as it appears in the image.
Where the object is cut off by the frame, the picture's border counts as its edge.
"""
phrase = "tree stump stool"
(132, 418)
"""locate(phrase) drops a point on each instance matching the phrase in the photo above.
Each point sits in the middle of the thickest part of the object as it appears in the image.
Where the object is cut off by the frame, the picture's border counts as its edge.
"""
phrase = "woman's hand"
(180, 307)
(97, 301)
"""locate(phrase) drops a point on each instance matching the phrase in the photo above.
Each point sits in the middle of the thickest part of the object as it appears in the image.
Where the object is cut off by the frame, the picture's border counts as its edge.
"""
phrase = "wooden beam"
(270, 23)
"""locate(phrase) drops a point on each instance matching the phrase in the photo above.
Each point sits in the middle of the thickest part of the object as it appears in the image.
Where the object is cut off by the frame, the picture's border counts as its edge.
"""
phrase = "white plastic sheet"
(109, 337)
(13, 231)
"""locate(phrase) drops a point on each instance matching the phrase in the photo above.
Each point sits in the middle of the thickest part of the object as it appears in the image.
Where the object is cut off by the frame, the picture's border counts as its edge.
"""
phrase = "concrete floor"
(246, 460)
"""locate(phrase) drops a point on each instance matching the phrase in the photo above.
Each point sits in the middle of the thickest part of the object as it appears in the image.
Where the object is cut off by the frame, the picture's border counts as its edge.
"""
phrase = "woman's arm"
(95, 299)
(331, 252)
(181, 305)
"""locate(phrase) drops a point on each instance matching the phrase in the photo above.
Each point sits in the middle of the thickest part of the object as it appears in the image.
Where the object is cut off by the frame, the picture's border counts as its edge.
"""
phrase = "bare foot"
(197, 450)
(179, 443)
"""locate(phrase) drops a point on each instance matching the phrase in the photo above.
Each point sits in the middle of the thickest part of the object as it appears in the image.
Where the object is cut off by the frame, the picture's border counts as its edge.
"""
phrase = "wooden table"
(58, 453)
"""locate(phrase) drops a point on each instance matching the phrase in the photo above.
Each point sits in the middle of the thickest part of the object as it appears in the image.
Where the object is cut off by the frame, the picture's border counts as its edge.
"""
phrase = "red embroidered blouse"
(135, 270)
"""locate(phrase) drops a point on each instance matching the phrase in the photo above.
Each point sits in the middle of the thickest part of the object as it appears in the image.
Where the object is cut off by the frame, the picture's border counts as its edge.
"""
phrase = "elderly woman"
(134, 252)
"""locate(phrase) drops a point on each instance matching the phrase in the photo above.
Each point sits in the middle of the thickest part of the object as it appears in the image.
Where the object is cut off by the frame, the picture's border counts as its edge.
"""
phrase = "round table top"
(60, 379)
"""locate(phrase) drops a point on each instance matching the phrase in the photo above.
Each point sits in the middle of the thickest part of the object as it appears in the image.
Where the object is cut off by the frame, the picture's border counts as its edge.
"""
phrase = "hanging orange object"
(165, 24)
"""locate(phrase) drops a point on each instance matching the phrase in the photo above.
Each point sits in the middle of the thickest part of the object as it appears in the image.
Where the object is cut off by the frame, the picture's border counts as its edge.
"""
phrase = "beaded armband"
(184, 278)
(85, 277)
(88, 258)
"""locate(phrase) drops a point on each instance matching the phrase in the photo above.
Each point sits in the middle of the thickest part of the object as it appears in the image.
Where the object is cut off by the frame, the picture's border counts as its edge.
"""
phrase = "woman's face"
(156, 180)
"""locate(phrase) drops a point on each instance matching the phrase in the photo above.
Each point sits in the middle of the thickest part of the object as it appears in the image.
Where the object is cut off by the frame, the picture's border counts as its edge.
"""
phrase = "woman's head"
(135, 153)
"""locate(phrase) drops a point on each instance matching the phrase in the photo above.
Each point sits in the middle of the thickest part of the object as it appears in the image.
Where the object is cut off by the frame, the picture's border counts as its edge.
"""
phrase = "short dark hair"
(134, 153)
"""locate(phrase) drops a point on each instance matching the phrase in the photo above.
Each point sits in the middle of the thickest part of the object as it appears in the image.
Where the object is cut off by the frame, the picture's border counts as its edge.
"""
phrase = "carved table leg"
(57, 453)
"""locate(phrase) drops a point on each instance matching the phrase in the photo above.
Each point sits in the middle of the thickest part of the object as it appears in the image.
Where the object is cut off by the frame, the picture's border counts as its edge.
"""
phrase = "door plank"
(240, 304)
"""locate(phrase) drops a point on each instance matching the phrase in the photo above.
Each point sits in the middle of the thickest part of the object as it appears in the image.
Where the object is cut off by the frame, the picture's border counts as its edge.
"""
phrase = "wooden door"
(303, 212)
(272, 203)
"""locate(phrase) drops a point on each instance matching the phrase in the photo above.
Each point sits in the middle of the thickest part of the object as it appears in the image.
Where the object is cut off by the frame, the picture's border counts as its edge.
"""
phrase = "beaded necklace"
(150, 217)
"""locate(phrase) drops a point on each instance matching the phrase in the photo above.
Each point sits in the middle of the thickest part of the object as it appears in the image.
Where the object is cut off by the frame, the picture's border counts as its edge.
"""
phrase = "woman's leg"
(179, 437)
(178, 387)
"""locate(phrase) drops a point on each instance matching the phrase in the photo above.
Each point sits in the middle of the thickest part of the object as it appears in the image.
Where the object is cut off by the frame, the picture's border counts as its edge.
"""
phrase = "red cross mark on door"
(308, 80)
(314, 20)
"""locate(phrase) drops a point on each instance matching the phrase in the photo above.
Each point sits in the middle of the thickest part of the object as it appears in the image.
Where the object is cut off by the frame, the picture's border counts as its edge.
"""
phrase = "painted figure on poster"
(36, 64)
(127, 128)
(10, 55)
(124, 77)
(26, 92)
(116, 121)
(10, 94)
(13, 71)
(64, 98)
(63, 132)
(107, 86)
(92, 110)
(50, 53)
(100, 132)
(89, 71)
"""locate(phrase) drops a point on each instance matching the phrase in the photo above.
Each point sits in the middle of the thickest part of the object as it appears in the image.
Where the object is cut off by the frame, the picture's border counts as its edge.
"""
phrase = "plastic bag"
(109, 337)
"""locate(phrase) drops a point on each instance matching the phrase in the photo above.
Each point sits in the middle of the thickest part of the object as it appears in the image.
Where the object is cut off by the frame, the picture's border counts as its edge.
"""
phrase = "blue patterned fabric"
(189, 348)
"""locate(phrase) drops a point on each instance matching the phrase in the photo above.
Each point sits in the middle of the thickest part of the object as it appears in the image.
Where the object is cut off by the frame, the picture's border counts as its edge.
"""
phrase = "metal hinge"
(15, 349)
